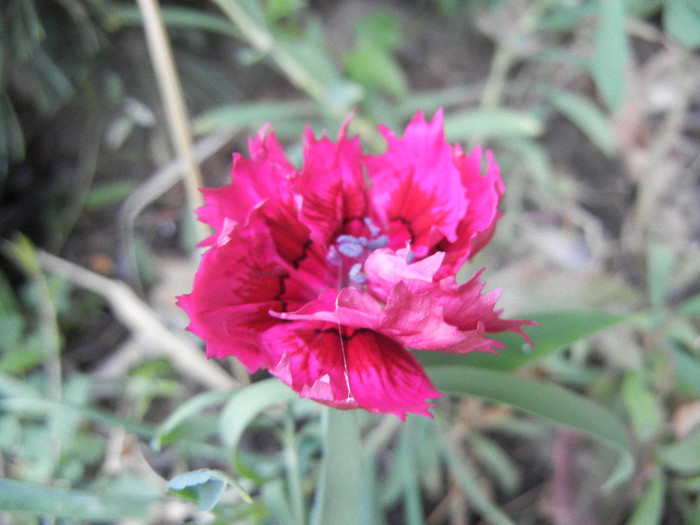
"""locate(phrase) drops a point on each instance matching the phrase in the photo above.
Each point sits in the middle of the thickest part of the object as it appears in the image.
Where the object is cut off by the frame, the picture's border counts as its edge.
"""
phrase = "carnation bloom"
(326, 275)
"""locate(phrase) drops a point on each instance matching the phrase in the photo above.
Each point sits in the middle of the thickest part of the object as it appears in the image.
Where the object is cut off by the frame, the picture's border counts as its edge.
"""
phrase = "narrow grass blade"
(16, 496)
(545, 400)
(339, 491)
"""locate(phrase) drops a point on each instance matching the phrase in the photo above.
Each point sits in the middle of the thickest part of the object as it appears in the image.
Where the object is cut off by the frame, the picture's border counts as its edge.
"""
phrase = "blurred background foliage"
(592, 109)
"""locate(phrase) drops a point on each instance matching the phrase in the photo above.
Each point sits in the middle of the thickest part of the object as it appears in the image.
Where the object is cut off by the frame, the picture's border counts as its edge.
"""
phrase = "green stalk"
(338, 497)
(291, 457)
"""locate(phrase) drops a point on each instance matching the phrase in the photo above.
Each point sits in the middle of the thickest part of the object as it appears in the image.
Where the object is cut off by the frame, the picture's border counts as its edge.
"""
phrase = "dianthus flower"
(326, 275)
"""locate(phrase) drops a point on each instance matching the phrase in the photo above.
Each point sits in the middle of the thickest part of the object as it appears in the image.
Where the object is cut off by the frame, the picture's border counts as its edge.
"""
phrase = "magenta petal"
(483, 192)
(416, 181)
(331, 185)
(377, 374)
(325, 275)
(349, 308)
(233, 292)
(467, 308)
(253, 182)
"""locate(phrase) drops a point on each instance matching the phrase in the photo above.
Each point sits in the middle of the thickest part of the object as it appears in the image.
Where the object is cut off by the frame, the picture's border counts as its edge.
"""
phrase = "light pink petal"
(417, 321)
(466, 307)
(348, 308)
(385, 268)
(381, 375)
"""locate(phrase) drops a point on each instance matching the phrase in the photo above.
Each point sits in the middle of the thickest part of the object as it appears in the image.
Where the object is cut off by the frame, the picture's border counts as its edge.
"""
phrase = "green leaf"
(380, 28)
(406, 463)
(610, 59)
(338, 496)
(35, 406)
(16, 496)
(588, 118)
(651, 505)
(659, 266)
(681, 20)
(205, 487)
(492, 123)
(641, 406)
(275, 500)
(644, 8)
(246, 404)
(109, 194)
(683, 457)
(190, 408)
(375, 67)
(545, 400)
(496, 460)
(556, 331)
(467, 478)
(565, 16)
(276, 10)
(177, 17)
(371, 62)
(691, 307)
(687, 368)
(246, 115)
(11, 136)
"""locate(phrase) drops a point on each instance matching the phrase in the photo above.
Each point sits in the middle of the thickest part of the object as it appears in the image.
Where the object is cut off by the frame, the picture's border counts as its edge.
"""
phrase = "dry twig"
(140, 319)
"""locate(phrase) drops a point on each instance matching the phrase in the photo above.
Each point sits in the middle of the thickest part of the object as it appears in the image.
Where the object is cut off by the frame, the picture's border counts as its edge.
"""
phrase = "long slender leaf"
(465, 475)
(492, 123)
(178, 17)
(241, 115)
(651, 505)
(188, 409)
(556, 331)
(544, 400)
(405, 462)
(588, 118)
(687, 368)
(684, 456)
(45, 407)
(610, 60)
(246, 404)
(660, 261)
(16, 496)
(340, 486)
(681, 19)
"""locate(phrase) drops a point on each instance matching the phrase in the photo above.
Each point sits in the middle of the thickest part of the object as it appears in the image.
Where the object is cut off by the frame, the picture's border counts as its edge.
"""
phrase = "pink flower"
(326, 275)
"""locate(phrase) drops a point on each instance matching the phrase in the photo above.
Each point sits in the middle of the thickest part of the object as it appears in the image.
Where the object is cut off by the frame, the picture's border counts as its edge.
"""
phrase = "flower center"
(349, 253)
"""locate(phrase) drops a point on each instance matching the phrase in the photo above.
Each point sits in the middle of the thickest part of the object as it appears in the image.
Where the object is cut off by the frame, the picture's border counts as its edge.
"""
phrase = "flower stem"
(339, 488)
(294, 481)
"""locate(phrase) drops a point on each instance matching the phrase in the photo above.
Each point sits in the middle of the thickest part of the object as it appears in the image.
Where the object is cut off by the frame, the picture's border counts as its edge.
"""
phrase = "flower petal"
(416, 182)
(381, 375)
(465, 306)
(254, 181)
(235, 288)
(385, 268)
(331, 185)
(483, 193)
(417, 321)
